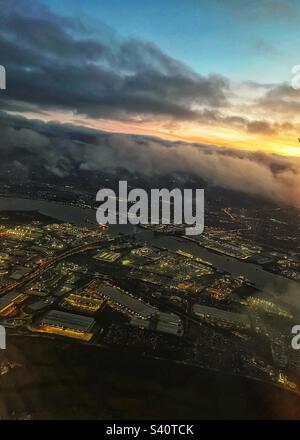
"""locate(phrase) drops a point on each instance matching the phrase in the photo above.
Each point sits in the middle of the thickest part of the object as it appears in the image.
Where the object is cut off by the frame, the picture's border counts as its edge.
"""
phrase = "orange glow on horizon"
(190, 132)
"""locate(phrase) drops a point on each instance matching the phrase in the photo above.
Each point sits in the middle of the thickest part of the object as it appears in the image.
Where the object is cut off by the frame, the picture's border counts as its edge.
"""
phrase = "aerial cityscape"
(122, 321)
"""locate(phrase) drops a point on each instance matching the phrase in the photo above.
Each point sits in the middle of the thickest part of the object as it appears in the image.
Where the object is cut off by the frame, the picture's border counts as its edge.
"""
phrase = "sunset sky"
(213, 72)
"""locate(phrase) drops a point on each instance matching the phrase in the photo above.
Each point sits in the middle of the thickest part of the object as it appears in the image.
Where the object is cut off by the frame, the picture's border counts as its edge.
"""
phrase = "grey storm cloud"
(52, 62)
(63, 149)
(62, 63)
(281, 99)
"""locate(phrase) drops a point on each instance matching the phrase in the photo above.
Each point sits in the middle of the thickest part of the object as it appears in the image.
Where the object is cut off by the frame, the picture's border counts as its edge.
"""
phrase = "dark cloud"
(282, 99)
(55, 63)
(51, 64)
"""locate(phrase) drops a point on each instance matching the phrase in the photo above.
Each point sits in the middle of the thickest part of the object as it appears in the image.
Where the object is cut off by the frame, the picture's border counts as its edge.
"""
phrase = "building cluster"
(129, 293)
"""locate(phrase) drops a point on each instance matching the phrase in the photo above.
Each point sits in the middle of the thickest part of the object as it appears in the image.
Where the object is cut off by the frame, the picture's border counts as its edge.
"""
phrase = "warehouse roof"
(68, 320)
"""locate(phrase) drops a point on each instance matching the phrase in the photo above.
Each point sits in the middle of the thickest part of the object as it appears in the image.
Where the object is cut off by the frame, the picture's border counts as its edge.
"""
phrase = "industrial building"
(82, 302)
(127, 303)
(67, 324)
(38, 306)
(169, 323)
(10, 300)
(222, 317)
(20, 273)
(108, 256)
(140, 323)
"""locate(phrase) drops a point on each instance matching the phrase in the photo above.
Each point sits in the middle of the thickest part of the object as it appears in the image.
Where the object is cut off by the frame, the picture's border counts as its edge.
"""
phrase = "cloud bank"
(64, 150)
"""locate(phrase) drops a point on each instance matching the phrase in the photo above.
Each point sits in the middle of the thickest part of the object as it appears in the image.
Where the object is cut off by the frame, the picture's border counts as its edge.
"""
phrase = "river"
(261, 279)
